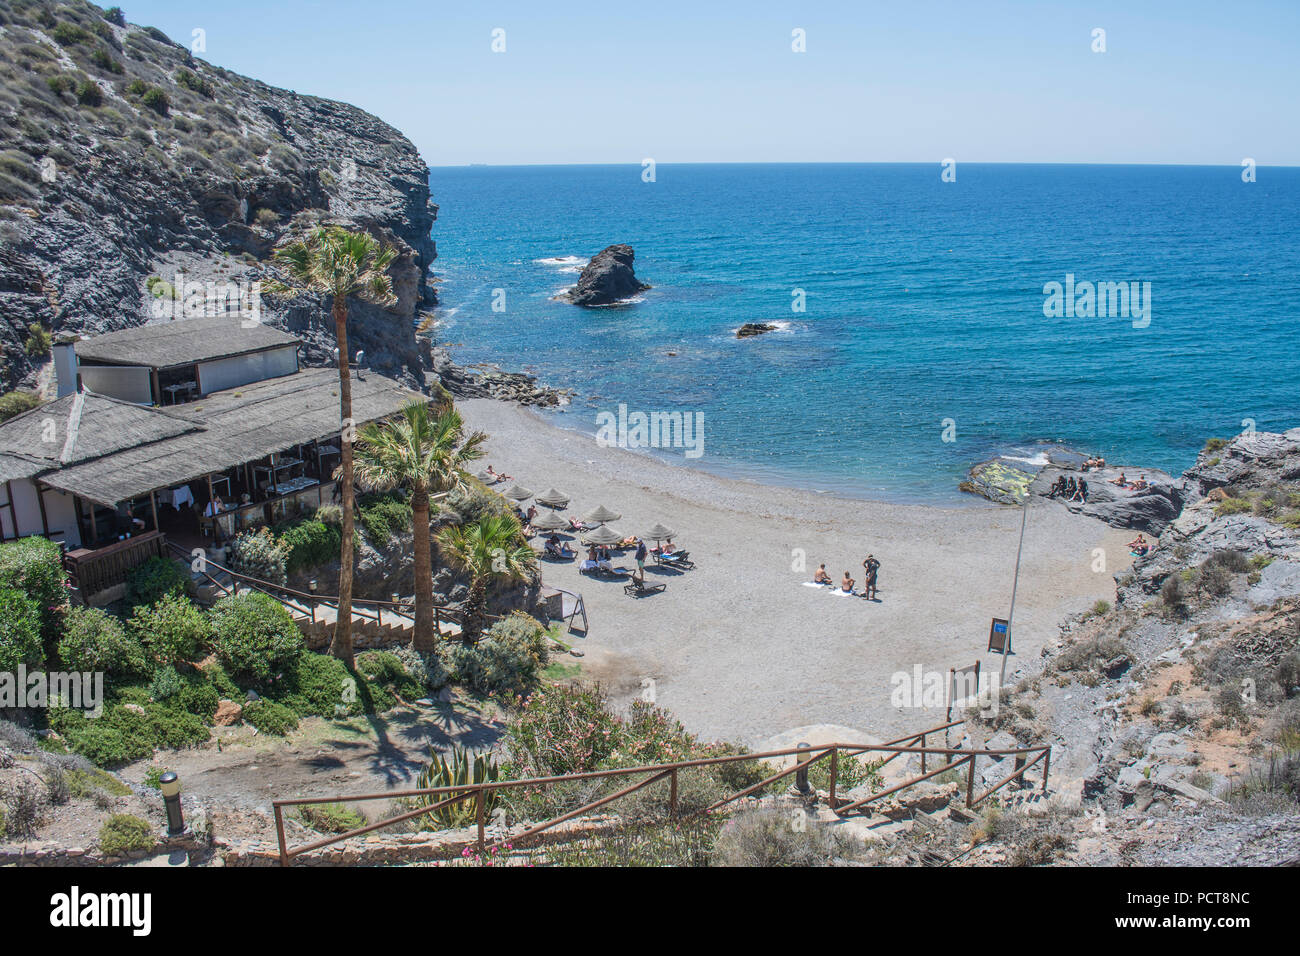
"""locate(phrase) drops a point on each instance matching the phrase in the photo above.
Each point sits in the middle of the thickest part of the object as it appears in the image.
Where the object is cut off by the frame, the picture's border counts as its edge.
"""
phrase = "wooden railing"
(93, 571)
(804, 756)
(366, 608)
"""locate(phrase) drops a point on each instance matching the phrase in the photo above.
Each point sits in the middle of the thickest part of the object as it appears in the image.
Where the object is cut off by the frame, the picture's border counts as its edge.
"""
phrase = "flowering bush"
(260, 554)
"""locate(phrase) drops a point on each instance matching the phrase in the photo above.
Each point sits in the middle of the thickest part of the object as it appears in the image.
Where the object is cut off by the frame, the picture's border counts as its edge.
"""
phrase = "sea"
(927, 317)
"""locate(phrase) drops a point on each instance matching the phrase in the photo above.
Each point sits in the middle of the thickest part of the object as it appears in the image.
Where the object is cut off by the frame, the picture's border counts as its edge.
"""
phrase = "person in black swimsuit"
(871, 567)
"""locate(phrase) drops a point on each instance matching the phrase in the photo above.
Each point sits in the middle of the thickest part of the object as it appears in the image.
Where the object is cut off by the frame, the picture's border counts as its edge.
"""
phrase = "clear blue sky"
(1189, 81)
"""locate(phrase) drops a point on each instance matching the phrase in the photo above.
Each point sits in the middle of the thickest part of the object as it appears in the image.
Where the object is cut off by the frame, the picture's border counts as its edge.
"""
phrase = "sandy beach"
(739, 648)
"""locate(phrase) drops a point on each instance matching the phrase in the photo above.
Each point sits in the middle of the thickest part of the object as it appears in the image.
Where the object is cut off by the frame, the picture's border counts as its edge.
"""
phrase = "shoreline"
(739, 648)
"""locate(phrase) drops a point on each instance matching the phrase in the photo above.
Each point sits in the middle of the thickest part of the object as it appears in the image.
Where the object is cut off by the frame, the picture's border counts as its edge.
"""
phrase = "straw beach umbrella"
(553, 499)
(659, 533)
(602, 535)
(486, 478)
(550, 522)
(518, 493)
(601, 515)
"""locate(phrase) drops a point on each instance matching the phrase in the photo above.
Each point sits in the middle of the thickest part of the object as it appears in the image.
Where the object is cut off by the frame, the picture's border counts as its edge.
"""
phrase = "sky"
(1186, 82)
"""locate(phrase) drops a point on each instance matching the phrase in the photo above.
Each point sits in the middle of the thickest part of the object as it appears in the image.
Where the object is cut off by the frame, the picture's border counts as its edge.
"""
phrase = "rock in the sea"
(998, 481)
(607, 279)
(754, 328)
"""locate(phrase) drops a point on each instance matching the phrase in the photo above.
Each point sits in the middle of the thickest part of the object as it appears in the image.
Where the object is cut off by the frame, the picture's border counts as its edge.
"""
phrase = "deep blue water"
(924, 302)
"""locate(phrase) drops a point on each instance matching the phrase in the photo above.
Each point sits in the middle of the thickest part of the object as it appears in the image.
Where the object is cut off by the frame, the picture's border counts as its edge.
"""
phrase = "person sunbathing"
(1139, 545)
(498, 476)
(847, 584)
(820, 576)
(1141, 484)
(1122, 480)
(575, 525)
(668, 547)
(556, 548)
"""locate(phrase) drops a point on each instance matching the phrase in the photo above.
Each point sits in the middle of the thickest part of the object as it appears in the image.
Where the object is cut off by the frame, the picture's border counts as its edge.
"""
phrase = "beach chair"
(678, 559)
(641, 589)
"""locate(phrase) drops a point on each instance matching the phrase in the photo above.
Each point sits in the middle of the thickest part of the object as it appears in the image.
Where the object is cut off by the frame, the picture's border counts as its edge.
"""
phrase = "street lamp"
(170, 786)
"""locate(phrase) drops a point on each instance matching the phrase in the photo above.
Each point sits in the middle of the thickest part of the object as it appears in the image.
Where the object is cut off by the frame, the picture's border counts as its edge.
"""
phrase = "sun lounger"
(677, 559)
(641, 589)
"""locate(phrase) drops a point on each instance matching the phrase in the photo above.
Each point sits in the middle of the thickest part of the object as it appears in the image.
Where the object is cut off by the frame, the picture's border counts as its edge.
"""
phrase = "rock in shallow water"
(607, 279)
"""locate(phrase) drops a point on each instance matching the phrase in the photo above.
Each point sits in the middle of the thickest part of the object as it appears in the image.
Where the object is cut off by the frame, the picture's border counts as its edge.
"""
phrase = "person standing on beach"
(871, 568)
(641, 552)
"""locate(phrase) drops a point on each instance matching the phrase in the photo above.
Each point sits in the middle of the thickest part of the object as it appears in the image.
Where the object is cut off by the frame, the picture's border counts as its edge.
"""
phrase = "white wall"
(244, 369)
(130, 383)
(59, 512)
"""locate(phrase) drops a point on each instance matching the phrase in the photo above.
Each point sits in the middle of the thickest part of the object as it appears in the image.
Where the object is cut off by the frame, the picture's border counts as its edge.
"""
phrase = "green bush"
(330, 817)
(383, 515)
(68, 34)
(96, 641)
(269, 717)
(15, 403)
(387, 670)
(155, 579)
(35, 566)
(172, 629)
(88, 94)
(509, 658)
(254, 637)
(123, 734)
(122, 833)
(166, 684)
(561, 730)
(20, 631)
(60, 83)
(259, 554)
(156, 99)
(115, 16)
(309, 543)
(193, 82)
(136, 87)
(38, 340)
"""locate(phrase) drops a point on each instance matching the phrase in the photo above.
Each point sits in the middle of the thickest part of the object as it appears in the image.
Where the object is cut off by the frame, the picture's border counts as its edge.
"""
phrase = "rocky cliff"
(127, 161)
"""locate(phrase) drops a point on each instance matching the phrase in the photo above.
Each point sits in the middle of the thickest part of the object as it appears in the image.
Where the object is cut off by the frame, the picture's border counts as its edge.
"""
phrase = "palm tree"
(427, 456)
(490, 548)
(331, 261)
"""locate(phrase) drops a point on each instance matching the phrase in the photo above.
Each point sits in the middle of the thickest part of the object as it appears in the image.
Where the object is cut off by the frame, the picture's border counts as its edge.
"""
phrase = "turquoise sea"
(924, 307)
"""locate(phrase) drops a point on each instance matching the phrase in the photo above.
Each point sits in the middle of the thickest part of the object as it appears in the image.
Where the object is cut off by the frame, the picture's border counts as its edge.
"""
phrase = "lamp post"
(801, 775)
(170, 786)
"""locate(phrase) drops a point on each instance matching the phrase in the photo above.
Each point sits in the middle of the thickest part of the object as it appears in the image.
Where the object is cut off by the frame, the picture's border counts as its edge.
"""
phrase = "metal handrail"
(656, 772)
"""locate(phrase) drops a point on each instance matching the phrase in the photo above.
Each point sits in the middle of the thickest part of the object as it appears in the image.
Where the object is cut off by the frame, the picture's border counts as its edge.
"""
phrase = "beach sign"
(1000, 636)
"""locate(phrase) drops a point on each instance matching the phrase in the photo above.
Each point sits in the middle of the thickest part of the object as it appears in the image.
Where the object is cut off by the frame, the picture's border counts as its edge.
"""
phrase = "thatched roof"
(231, 428)
(182, 342)
(78, 428)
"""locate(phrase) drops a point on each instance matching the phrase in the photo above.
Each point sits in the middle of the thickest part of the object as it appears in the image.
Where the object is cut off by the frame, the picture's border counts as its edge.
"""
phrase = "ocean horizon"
(999, 311)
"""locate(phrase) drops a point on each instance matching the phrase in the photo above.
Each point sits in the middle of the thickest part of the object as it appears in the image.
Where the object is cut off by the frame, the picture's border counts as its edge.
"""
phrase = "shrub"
(166, 684)
(269, 717)
(428, 670)
(1232, 506)
(560, 730)
(330, 817)
(60, 83)
(267, 218)
(122, 833)
(1215, 444)
(38, 340)
(96, 641)
(35, 566)
(383, 515)
(20, 631)
(88, 94)
(156, 99)
(155, 579)
(509, 658)
(193, 82)
(115, 16)
(1173, 593)
(309, 543)
(136, 88)
(387, 670)
(68, 34)
(24, 808)
(255, 637)
(768, 837)
(172, 629)
(259, 554)
(15, 403)
(123, 734)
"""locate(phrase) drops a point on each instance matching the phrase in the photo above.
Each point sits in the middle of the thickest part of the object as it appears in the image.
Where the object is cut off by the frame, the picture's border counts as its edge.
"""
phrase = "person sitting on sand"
(871, 567)
(1139, 545)
(820, 576)
(847, 585)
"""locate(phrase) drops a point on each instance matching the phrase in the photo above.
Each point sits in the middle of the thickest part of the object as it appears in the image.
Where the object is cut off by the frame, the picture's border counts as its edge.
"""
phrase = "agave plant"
(465, 769)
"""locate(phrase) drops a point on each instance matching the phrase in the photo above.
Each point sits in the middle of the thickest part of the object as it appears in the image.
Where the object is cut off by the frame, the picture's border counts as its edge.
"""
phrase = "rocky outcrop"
(750, 329)
(517, 387)
(205, 176)
(1147, 510)
(607, 279)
